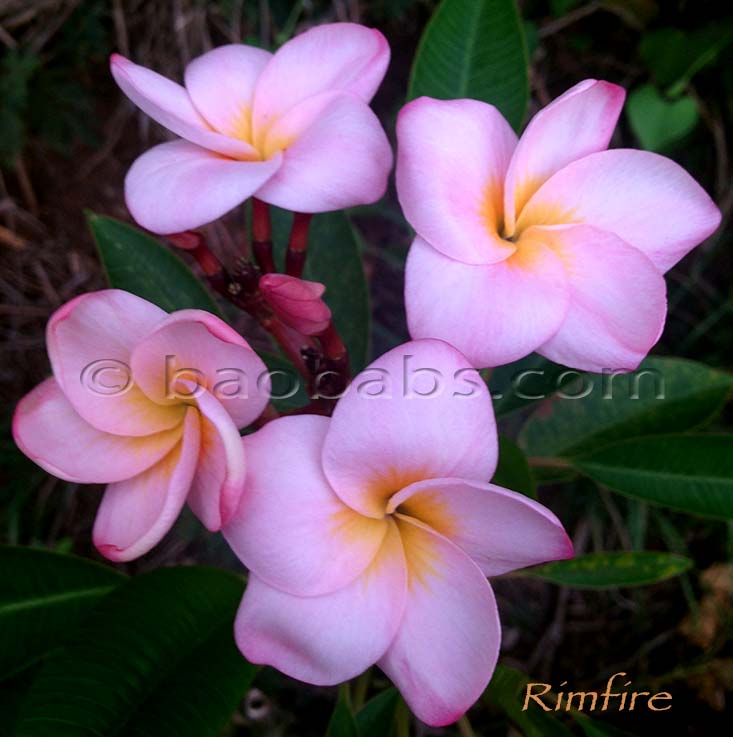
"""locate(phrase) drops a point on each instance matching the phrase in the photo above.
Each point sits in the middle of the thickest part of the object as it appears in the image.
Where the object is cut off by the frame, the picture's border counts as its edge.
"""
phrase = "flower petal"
(420, 411)
(327, 639)
(446, 648)
(218, 483)
(452, 157)
(334, 56)
(197, 345)
(335, 155)
(89, 342)
(136, 513)
(618, 300)
(499, 529)
(170, 105)
(290, 529)
(221, 84)
(647, 200)
(494, 313)
(47, 428)
(576, 124)
(177, 186)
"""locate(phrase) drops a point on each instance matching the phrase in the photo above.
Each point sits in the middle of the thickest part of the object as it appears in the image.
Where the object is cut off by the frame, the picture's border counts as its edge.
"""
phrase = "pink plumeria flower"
(369, 536)
(549, 243)
(148, 403)
(297, 302)
(293, 128)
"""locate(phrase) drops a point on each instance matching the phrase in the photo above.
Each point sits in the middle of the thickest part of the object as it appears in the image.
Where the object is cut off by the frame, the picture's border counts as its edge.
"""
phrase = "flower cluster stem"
(322, 360)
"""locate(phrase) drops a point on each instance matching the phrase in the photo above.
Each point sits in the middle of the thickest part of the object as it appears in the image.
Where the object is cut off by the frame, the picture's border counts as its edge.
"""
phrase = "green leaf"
(477, 49)
(513, 471)
(611, 570)
(377, 718)
(17, 69)
(657, 122)
(506, 691)
(342, 723)
(137, 263)
(334, 259)
(676, 56)
(663, 395)
(525, 382)
(12, 693)
(691, 473)
(43, 597)
(155, 657)
(288, 389)
(595, 728)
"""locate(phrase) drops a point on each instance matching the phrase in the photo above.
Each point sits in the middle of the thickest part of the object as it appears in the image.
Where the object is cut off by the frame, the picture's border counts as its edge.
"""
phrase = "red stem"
(333, 346)
(195, 244)
(295, 257)
(291, 342)
(262, 236)
(323, 360)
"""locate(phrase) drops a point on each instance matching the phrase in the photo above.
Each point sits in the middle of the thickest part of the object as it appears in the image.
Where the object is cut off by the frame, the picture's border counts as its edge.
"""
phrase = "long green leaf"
(523, 383)
(513, 471)
(334, 259)
(155, 657)
(287, 386)
(507, 690)
(378, 716)
(137, 263)
(12, 693)
(611, 570)
(477, 49)
(663, 395)
(43, 597)
(691, 473)
(342, 722)
(596, 728)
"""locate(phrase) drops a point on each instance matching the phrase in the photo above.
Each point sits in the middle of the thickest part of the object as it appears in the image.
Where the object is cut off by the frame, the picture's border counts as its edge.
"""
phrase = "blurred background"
(67, 137)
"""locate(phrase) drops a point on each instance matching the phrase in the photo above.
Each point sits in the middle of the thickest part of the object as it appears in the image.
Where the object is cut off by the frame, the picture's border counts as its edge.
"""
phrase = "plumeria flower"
(550, 243)
(148, 403)
(297, 302)
(369, 536)
(293, 128)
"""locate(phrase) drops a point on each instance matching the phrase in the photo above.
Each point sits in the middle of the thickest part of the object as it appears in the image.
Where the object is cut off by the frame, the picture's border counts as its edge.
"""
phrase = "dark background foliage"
(67, 137)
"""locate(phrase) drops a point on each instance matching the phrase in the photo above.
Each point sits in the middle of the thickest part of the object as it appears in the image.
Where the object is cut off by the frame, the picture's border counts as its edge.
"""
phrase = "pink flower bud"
(297, 302)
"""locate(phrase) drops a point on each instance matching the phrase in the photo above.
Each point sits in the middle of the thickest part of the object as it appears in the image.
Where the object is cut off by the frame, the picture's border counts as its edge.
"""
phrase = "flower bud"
(297, 302)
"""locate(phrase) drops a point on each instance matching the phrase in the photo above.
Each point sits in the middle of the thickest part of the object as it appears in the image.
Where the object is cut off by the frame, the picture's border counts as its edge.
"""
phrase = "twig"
(118, 14)
(465, 728)
(567, 20)
(9, 238)
(7, 39)
(26, 187)
(616, 519)
(265, 24)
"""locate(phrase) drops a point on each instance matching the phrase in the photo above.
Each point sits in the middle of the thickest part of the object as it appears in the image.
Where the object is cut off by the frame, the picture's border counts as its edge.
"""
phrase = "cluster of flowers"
(369, 535)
